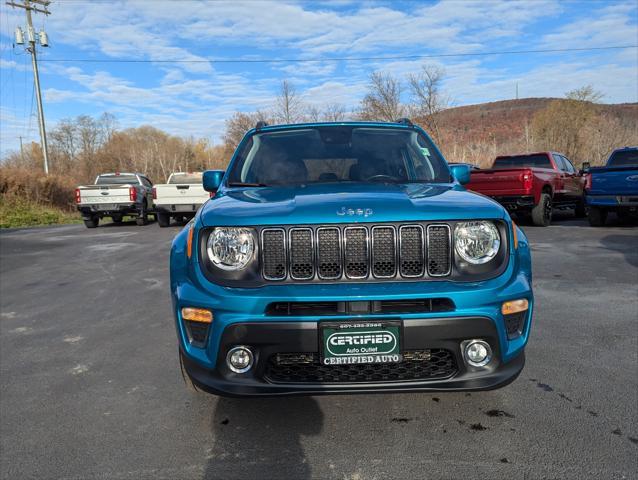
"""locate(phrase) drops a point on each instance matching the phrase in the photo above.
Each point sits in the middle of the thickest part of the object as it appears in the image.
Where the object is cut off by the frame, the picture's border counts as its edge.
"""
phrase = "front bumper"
(268, 339)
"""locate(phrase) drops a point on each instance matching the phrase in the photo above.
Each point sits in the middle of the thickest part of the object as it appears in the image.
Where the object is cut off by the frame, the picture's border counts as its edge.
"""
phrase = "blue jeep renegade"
(348, 257)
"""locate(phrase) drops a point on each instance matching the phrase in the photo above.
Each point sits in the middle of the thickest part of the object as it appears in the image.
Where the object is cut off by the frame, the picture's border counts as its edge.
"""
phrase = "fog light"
(477, 353)
(239, 359)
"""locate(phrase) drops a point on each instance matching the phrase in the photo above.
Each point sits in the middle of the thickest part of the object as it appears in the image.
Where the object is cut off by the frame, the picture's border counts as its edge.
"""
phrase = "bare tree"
(334, 112)
(383, 100)
(585, 94)
(288, 106)
(427, 98)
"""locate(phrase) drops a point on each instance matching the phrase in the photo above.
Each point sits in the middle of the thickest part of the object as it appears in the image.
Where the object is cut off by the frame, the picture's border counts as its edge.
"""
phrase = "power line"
(339, 59)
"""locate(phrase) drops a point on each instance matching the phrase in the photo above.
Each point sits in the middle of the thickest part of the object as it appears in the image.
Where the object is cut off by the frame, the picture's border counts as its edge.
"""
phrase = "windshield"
(329, 154)
(185, 178)
(623, 158)
(116, 179)
(539, 161)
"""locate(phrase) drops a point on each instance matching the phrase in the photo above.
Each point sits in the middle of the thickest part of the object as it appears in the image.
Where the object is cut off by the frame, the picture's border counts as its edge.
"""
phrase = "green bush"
(21, 213)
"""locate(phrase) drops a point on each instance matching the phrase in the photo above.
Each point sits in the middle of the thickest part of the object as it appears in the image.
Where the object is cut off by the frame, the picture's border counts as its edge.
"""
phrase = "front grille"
(274, 253)
(300, 309)
(356, 252)
(417, 365)
(439, 253)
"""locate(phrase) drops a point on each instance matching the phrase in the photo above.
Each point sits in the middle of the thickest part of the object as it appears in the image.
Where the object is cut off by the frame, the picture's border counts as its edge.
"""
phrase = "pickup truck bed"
(532, 185)
(179, 198)
(115, 195)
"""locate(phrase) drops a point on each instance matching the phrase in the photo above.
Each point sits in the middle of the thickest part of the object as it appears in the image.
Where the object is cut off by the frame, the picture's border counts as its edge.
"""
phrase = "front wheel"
(542, 213)
(92, 222)
(597, 216)
(117, 218)
(163, 219)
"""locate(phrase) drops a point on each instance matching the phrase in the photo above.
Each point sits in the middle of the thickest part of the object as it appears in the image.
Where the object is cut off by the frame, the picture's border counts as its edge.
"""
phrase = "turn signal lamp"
(515, 236)
(514, 306)
(200, 315)
(189, 242)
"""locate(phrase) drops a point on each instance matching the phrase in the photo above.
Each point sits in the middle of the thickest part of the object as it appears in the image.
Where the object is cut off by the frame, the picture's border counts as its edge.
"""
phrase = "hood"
(346, 203)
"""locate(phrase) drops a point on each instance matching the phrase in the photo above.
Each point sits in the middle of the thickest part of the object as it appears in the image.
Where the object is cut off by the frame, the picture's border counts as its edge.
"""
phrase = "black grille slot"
(411, 251)
(417, 365)
(384, 263)
(274, 254)
(356, 252)
(301, 254)
(419, 305)
(416, 306)
(197, 332)
(329, 253)
(439, 258)
(514, 324)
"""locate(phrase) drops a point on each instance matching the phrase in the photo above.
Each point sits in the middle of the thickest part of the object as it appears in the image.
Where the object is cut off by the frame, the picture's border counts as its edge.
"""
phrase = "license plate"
(346, 343)
(184, 208)
(106, 206)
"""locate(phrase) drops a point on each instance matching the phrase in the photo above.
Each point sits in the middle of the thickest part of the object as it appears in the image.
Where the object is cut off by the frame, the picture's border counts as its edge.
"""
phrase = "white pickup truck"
(179, 197)
(115, 195)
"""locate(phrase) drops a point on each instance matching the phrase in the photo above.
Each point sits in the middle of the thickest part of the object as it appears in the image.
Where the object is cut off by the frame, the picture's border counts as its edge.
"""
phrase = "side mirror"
(461, 173)
(586, 166)
(212, 179)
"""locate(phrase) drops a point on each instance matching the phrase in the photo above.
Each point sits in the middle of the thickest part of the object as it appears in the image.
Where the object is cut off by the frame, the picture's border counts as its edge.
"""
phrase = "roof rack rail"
(260, 124)
(405, 121)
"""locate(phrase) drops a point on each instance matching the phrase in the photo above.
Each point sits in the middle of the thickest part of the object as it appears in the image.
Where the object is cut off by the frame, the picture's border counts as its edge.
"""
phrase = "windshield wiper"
(246, 184)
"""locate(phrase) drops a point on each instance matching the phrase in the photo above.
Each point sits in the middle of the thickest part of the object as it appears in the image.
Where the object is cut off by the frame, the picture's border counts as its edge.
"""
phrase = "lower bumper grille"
(417, 365)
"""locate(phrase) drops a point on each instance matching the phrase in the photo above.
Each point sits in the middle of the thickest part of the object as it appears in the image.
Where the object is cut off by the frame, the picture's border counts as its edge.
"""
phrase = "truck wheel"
(188, 381)
(142, 218)
(163, 219)
(92, 222)
(580, 211)
(542, 213)
(117, 218)
(597, 216)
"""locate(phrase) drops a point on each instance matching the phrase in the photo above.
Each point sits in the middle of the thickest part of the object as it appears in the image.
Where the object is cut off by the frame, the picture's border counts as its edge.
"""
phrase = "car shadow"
(620, 243)
(261, 438)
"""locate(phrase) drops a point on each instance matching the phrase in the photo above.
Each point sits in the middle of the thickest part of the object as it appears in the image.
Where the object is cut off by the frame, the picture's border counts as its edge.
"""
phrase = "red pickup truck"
(533, 184)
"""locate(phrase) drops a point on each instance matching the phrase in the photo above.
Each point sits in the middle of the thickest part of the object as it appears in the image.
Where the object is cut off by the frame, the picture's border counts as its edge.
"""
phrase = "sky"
(183, 66)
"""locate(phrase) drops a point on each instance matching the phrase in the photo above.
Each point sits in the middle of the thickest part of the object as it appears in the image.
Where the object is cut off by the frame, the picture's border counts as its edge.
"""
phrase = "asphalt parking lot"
(90, 383)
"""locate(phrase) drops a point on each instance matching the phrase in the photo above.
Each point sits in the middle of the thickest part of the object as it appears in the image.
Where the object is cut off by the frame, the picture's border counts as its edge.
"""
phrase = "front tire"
(542, 213)
(163, 219)
(117, 218)
(92, 222)
(597, 216)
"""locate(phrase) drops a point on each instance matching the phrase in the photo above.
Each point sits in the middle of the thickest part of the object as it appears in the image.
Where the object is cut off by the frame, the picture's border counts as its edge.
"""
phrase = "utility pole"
(39, 6)
(516, 90)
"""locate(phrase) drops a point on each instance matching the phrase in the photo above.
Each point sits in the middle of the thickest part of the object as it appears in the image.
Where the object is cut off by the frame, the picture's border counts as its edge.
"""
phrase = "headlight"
(476, 242)
(230, 248)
